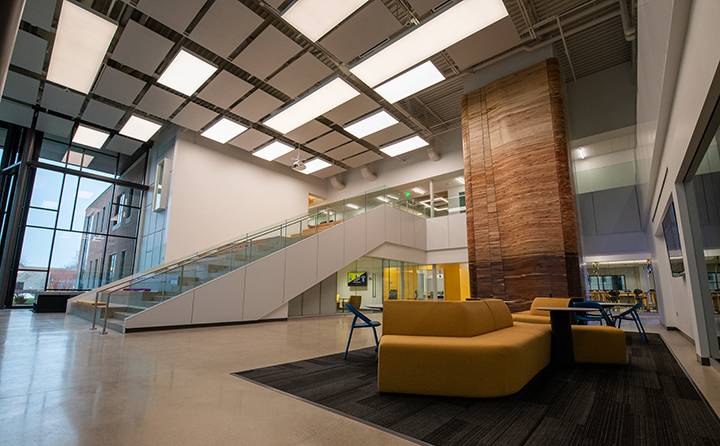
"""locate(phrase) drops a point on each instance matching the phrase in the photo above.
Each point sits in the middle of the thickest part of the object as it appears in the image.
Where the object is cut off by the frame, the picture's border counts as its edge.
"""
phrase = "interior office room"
(369, 221)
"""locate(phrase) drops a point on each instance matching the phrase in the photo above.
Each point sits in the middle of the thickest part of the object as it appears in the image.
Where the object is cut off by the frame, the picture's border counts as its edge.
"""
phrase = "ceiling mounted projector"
(298, 164)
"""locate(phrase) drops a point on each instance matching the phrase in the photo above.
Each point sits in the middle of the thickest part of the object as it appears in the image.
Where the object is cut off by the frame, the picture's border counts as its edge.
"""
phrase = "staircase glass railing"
(144, 290)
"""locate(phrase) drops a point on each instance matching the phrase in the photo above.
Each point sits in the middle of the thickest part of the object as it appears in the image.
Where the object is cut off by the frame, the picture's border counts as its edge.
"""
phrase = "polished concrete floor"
(62, 384)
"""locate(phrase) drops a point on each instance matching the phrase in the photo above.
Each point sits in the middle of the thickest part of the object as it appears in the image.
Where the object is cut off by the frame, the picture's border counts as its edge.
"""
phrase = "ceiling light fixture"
(74, 158)
(461, 180)
(458, 22)
(90, 137)
(273, 150)
(582, 154)
(418, 190)
(139, 128)
(410, 82)
(404, 146)
(315, 18)
(352, 206)
(322, 100)
(224, 130)
(81, 42)
(383, 199)
(315, 165)
(392, 197)
(371, 124)
(186, 73)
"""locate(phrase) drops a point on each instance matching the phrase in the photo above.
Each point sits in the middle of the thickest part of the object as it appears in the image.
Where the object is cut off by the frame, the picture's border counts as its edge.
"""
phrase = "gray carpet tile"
(649, 402)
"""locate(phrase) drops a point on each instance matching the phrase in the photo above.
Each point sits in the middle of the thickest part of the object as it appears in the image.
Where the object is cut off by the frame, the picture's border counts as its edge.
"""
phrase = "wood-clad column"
(522, 222)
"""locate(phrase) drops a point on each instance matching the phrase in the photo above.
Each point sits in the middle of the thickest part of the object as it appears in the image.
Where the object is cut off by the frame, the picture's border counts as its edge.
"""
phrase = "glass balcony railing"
(144, 290)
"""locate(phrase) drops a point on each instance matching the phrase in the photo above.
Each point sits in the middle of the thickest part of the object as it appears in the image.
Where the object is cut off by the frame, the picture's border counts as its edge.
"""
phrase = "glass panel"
(67, 202)
(124, 224)
(265, 244)
(92, 196)
(36, 248)
(46, 190)
(27, 285)
(92, 255)
(53, 152)
(75, 159)
(100, 164)
(41, 217)
(66, 261)
(115, 248)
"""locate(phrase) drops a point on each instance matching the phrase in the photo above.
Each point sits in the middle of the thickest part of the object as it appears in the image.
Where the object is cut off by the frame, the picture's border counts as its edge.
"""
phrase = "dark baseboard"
(215, 324)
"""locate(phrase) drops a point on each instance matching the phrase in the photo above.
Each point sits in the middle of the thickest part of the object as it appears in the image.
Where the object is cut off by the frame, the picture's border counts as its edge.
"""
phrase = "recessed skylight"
(315, 18)
(315, 165)
(410, 82)
(371, 124)
(273, 150)
(320, 101)
(186, 73)
(139, 128)
(453, 25)
(81, 42)
(224, 130)
(404, 146)
(90, 137)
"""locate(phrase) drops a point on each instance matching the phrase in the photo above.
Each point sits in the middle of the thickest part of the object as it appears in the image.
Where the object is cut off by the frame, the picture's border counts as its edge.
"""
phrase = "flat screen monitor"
(672, 242)
(357, 279)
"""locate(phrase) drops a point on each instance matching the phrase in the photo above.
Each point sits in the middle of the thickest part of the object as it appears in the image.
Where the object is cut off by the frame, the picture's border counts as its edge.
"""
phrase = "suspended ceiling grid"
(264, 64)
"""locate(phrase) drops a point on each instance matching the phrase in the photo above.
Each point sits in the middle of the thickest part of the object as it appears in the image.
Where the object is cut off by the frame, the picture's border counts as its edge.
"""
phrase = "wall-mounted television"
(672, 242)
(357, 279)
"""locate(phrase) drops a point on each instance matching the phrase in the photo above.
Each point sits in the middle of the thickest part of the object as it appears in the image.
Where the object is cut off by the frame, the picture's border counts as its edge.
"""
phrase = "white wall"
(220, 192)
(680, 298)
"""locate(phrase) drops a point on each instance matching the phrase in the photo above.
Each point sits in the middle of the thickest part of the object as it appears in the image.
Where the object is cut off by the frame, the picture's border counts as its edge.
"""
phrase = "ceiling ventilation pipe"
(432, 153)
(336, 184)
(367, 174)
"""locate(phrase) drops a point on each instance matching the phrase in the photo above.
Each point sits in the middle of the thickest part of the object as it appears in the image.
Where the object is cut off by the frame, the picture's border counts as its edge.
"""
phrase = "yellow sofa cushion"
(493, 364)
(444, 318)
(528, 317)
(547, 302)
(599, 344)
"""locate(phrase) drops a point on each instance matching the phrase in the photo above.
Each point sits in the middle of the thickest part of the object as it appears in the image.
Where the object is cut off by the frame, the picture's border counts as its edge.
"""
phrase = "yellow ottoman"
(599, 344)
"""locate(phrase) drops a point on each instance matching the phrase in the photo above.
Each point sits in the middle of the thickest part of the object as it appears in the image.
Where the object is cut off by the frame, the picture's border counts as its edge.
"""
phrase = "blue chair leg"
(377, 343)
(349, 338)
(636, 318)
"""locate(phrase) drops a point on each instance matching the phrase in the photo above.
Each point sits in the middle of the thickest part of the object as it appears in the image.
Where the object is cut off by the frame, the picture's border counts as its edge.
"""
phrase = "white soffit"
(175, 14)
(141, 48)
(224, 90)
(257, 105)
(458, 22)
(267, 53)
(235, 20)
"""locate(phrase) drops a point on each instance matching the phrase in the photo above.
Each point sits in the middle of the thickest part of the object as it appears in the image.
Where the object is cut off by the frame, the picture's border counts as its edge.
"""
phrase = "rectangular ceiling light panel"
(186, 73)
(460, 21)
(320, 101)
(90, 137)
(139, 128)
(371, 124)
(81, 42)
(410, 82)
(404, 146)
(224, 130)
(315, 165)
(315, 18)
(76, 158)
(273, 150)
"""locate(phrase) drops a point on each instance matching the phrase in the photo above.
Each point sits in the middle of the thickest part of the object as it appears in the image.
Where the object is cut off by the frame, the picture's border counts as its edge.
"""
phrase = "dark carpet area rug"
(650, 402)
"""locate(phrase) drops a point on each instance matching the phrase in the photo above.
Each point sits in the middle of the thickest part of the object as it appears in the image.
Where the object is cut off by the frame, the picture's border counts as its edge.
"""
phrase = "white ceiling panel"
(250, 139)
(177, 15)
(389, 134)
(308, 131)
(102, 114)
(194, 117)
(300, 75)
(485, 43)
(289, 158)
(121, 144)
(39, 13)
(61, 101)
(21, 87)
(225, 26)
(352, 109)
(257, 105)
(159, 102)
(267, 53)
(329, 141)
(362, 159)
(54, 125)
(141, 48)
(29, 52)
(118, 86)
(361, 32)
(225, 89)
(328, 172)
(16, 113)
(346, 151)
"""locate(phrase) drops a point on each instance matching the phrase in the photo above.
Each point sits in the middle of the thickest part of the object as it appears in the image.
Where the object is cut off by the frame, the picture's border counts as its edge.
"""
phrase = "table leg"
(563, 353)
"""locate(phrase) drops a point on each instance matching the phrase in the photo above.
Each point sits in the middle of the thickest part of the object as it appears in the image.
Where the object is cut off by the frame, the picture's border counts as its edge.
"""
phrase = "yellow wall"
(456, 280)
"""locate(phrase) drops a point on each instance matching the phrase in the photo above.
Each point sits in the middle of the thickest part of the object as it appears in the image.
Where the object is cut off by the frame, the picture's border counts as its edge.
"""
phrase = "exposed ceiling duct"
(367, 174)
(336, 183)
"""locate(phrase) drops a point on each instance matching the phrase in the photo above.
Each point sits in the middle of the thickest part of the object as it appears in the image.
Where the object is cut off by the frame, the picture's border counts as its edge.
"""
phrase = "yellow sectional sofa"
(535, 316)
(599, 344)
(468, 349)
